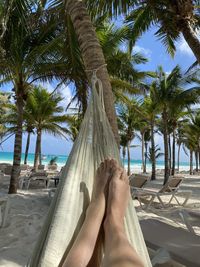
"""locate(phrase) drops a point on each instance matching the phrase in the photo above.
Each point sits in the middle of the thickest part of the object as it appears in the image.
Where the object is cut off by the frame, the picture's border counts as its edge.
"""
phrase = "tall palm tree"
(128, 123)
(29, 51)
(150, 110)
(91, 51)
(168, 92)
(172, 18)
(46, 115)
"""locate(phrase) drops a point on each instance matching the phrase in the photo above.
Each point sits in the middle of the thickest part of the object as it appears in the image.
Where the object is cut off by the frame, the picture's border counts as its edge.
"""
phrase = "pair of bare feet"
(109, 200)
(111, 192)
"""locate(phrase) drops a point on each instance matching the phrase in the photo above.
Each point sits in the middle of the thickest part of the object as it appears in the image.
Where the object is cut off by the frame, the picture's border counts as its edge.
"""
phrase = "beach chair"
(4, 207)
(171, 188)
(137, 181)
(177, 243)
(38, 176)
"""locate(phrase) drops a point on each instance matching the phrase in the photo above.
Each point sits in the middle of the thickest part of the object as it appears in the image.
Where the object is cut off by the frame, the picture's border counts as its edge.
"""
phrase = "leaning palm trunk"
(173, 153)
(17, 147)
(143, 156)
(129, 159)
(192, 40)
(153, 157)
(92, 55)
(37, 150)
(165, 137)
(191, 162)
(27, 147)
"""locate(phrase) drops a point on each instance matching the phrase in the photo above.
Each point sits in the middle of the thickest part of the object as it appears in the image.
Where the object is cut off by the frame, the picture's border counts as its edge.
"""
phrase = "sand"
(28, 209)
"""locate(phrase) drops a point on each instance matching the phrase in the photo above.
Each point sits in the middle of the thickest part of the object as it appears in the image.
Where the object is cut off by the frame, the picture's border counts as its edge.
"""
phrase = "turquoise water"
(61, 160)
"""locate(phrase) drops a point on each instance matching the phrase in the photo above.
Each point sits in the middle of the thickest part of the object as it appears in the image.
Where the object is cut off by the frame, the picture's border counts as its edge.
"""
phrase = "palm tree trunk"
(170, 153)
(123, 154)
(153, 163)
(17, 146)
(129, 159)
(191, 162)
(178, 157)
(192, 40)
(143, 156)
(92, 55)
(199, 157)
(27, 147)
(197, 161)
(40, 151)
(37, 150)
(165, 137)
(173, 153)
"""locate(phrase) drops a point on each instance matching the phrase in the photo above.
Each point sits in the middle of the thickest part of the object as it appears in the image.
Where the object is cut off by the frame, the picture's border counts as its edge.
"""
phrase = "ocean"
(61, 160)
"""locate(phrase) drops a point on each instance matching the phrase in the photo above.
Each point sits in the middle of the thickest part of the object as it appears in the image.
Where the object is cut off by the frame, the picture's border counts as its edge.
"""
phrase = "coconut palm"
(155, 153)
(190, 141)
(128, 123)
(91, 51)
(172, 18)
(30, 51)
(151, 111)
(168, 92)
(45, 114)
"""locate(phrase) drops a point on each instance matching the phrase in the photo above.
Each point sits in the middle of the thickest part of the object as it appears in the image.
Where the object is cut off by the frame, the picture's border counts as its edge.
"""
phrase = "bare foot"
(101, 182)
(118, 197)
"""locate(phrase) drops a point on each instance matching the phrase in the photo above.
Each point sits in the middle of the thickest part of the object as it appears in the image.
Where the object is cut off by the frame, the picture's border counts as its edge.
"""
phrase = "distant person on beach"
(108, 208)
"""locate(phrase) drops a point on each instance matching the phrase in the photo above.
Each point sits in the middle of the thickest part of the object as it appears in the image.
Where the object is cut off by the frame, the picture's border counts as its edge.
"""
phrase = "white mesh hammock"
(95, 142)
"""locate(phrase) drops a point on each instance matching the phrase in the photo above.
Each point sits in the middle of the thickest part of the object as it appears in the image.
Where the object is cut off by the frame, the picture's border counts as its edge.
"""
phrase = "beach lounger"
(171, 188)
(137, 181)
(181, 245)
(4, 207)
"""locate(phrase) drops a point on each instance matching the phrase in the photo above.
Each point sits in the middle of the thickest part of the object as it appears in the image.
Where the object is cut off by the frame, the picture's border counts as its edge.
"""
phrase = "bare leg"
(83, 247)
(118, 251)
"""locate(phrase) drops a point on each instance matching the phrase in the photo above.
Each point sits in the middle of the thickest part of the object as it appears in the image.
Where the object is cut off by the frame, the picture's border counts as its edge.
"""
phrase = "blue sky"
(150, 47)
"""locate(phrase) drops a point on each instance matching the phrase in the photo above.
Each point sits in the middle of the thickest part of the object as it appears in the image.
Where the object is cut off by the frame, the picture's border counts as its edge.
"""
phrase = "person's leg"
(118, 251)
(83, 247)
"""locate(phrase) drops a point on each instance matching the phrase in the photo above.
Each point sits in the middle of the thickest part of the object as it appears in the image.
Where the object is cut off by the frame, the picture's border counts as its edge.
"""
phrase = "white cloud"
(63, 89)
(145, 51)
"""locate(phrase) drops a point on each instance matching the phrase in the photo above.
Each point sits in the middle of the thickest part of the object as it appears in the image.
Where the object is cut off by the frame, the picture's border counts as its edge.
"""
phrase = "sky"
(150, 47)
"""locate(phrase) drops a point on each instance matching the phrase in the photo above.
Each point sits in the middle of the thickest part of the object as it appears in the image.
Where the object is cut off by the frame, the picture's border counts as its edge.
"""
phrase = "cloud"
(63, 89)
(145, 51)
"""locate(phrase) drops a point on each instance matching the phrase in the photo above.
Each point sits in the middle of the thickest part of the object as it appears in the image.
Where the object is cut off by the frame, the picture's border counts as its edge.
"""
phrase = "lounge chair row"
(171, 188)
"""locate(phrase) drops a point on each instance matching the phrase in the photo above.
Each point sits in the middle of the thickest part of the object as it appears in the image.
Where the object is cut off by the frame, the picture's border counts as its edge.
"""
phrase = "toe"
(123, 175)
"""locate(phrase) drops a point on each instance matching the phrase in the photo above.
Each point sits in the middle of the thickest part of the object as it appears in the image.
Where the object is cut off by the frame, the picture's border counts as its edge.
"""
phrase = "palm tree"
(45, 114)
(91, 51)
(147, 138)
(30, 45)
(172, 18)
(168, 93)
(150, 111)
(128, 123)
(190, 141)
(155, 153)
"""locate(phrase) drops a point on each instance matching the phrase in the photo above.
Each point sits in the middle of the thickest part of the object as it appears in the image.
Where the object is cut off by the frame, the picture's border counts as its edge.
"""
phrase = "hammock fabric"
(94, 143)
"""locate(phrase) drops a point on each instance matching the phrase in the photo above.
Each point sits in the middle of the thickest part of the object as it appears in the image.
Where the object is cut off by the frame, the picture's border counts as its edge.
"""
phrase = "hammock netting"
(94, 143)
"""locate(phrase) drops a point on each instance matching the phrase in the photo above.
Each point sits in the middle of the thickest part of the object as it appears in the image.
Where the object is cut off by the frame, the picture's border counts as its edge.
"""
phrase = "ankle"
(111, 224)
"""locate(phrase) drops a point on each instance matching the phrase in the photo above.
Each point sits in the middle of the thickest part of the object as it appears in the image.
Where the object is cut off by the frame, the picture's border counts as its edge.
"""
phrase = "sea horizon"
(7, 157)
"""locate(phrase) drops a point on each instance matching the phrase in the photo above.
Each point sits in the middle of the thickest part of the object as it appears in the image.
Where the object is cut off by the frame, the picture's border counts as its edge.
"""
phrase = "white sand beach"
(28, 209)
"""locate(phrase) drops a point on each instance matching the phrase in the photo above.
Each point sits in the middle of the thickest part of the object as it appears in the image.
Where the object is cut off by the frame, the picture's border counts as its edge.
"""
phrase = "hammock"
(94, 143)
